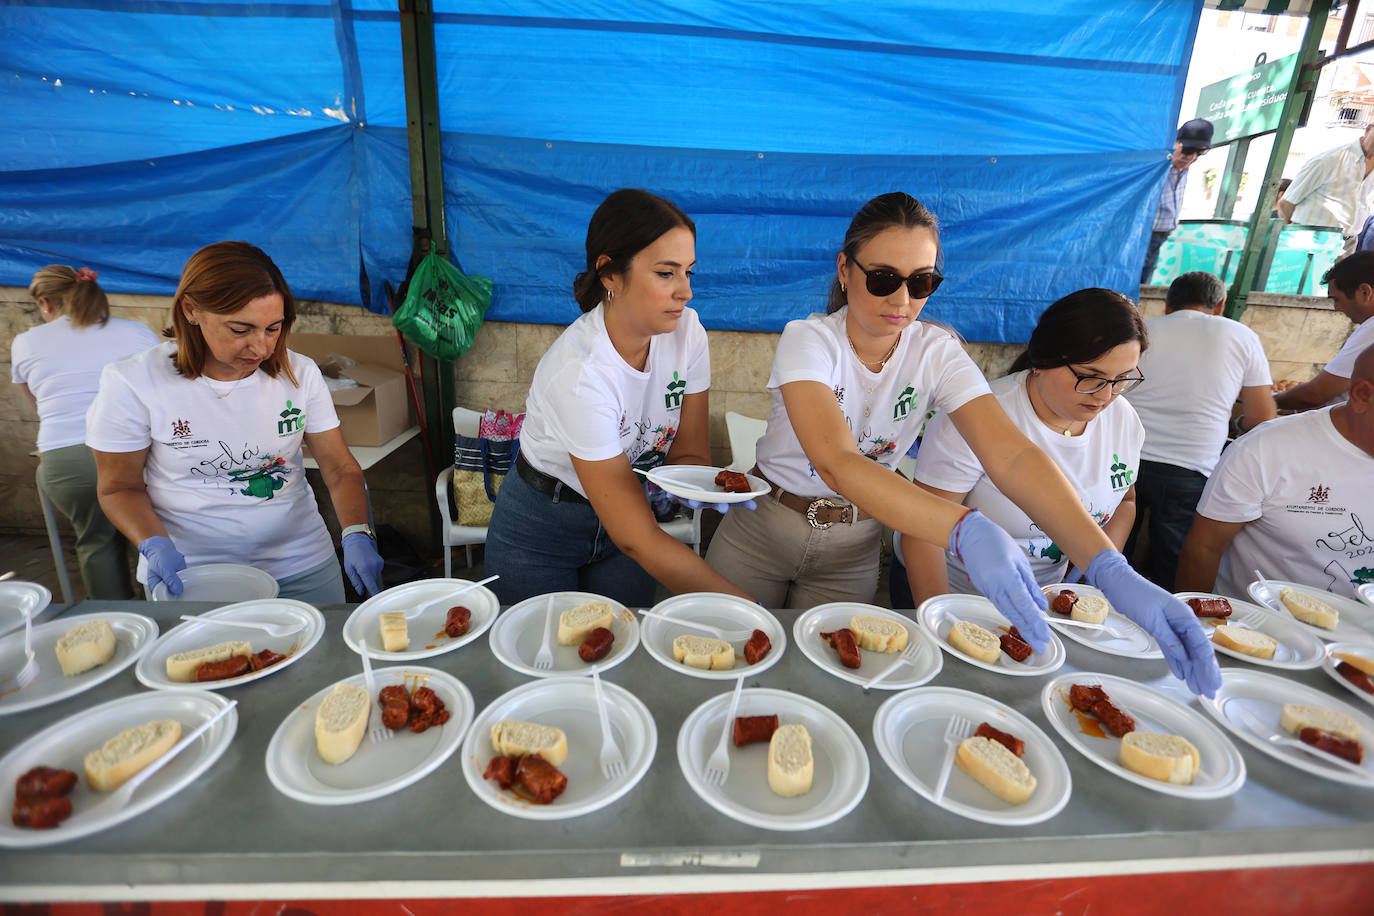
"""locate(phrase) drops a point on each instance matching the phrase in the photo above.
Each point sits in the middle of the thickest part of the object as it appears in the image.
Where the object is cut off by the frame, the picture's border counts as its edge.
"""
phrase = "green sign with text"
(1248, 103)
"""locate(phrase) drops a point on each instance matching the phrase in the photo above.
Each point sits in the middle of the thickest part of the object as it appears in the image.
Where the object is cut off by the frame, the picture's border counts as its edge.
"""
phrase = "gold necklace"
(232, 388)
(881, 363)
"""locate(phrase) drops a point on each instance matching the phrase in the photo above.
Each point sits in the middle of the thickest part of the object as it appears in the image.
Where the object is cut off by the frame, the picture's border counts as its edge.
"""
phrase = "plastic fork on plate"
(1266, 593)
(612, 760)
(275, 630)
(543, 660)
(29, 670)
(717, 768)
(956, 730)
(377, 732)
(447, 601)
(1263, 731)
(717, 632)
(120, 797)
(907, 657)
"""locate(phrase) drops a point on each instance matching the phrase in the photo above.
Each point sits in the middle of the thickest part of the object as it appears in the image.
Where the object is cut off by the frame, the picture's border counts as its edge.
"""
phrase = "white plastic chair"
(451, 533)
(744, 433)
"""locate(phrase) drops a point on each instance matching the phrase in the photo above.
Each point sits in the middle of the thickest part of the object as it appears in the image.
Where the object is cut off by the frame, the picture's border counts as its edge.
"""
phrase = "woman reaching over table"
(851, 389)
(57, 366)
(198, 440)
(624, 388)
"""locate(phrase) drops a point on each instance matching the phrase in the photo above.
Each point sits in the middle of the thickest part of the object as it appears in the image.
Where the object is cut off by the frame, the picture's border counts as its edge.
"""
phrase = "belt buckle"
(816, 505)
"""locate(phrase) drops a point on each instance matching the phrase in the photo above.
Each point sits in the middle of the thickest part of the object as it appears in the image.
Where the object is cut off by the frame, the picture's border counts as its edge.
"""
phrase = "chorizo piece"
(1010, 742)
(541, 779)
(395, 715)
(843, 642)
(749, 729)
(733, 482)
(1210, 607)
(458, 620)
(265, 659)
(427, 710)
(230, 667)
(757, 647)
(1063, 602)
(502, 769)
(1113, 719)
(1085, 696)
(1356, 676)
(393, 694)
(41, 781)
(1015, 646)
(596, 645)
(1345, 748)
(41, 813)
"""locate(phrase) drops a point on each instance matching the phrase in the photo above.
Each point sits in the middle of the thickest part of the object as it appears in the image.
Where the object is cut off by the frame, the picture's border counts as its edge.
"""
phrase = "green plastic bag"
(443, 308)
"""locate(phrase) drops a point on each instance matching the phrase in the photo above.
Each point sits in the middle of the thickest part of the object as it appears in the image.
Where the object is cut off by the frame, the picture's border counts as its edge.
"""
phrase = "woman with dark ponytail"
(624, 388)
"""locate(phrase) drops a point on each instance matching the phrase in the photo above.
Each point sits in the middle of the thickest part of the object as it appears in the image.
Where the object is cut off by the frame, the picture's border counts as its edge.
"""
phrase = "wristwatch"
(358, 529)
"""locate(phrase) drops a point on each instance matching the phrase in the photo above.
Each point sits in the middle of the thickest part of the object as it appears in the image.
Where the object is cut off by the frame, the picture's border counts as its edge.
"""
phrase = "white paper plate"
(841, 764)
(519, 632)
(427, 636)
(1221, 770)
(1121, 635)
(65, 745)
(134, 635)
(1329, 662)
(152, 667)
(1366, 593)
(692, 481)
(939, 614)
(223, 582)
(1356, 622)
(568, 703)
(909, 733)
(1297, 650)
(824, 618)
(375, 770)
(718, 610)
(1263, 695)
(16, 597)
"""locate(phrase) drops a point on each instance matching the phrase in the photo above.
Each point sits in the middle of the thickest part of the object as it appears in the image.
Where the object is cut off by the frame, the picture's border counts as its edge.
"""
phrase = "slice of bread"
(1359, 661)
(395, 634)
(341, 721)
(704, 652)
(513, 736)
(1297, 716)
(182, 666)
(973, 640)
(790, 764)
(86, 645)
(1167, 758)
(878, 634)
(575, 624)
(1090, 609)
(1002, 772)
(1247, 642)
(1309, 609)
(117, 760)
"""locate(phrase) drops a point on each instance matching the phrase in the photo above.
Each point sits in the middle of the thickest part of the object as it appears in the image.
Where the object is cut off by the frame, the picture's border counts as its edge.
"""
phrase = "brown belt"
(822, 511)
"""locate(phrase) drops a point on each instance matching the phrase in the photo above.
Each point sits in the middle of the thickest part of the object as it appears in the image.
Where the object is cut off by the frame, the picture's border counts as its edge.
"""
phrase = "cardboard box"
(378, 410)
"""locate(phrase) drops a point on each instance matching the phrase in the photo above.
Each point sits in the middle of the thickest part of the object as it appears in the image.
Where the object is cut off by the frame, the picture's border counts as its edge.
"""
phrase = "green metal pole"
(1230, 178)
(1301, 86)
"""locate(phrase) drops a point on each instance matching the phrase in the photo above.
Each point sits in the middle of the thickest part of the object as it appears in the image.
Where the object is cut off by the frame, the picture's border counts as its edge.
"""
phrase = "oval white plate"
(718, 610)
(1221, 770)
(1356, 621)
(909, 732)
(694, 481)
(939, 614)
(65, 745)
(223, 582)
(841, 764)
(1121, 635)
(427, 631)
(824, 618)
(16, 597)
(134, 635)
(1329, 662)
(568, 703)
(375, 770)
(519, 632)
(1366, 593)
(152, 667)
(1263, 695)
(1297, 650)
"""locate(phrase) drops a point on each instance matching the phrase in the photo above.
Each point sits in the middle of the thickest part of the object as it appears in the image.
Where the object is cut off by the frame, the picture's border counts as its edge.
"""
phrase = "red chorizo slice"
(541, 779)
(1210, 607)
(1345, 748)
(44, 781)
(1008, 741)
(596, 646)
(1356, 676)
(757, 647)
(1015, 646)
(502, 769)
(844, 643)
(459, 618)
(749, 729)
(233, 666)
(1063, 602)
(42, 813)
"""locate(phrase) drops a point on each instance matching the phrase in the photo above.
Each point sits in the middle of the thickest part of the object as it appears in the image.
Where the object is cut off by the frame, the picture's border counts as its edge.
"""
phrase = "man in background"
(1350, 284)
(1334, 189)
(1193, 139)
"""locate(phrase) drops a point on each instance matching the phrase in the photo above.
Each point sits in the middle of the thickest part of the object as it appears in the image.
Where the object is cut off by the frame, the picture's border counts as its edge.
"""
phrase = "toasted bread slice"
(790, 764)
(182, 666)
(1358, 661)
(341, 721)
(973, 640)
(704, 652)
(117, 760)
(575, 624)
(1297, 716)
(1090, 609)
(86, 645)
(1245, 641)
(517, 737)
(1167, 758)
(1002, 772)
(1309, 609)
(878, 634)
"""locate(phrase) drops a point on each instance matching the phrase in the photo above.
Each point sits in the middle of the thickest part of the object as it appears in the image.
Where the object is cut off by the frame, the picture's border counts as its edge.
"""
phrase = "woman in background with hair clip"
(57, 366)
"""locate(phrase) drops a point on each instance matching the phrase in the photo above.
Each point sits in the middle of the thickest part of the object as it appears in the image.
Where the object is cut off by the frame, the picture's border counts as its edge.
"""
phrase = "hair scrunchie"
(86, 275)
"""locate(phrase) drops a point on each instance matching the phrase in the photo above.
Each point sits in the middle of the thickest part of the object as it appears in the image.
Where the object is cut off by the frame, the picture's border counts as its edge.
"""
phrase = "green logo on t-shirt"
(906, 403)
(673, 398)
(292, 420)
(1120, 474)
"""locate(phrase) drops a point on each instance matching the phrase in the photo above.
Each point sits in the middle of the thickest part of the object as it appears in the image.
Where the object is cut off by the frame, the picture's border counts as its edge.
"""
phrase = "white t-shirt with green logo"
(224, 469)
(1307, 493)
(586, 401)
(885, 410)
(1101, 464)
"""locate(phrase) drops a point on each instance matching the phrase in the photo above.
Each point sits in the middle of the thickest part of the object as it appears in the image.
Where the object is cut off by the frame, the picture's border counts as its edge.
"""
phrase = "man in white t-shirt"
(1197, 365)
(1334, 188)
(1350, 284)
(1292, 499)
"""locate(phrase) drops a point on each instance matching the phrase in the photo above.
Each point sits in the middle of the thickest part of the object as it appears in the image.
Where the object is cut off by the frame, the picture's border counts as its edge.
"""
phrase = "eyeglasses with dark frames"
(1091, 384)
(883, 282)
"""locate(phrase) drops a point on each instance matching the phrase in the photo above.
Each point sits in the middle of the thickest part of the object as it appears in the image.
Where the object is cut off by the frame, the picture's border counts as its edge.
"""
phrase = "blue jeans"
(1169, 495)
(1152, 256)
(538, 546)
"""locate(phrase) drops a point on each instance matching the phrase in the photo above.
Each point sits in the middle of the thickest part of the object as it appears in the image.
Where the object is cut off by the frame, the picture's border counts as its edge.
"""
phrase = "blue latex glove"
(362, 563)
(1173, 625)
(722, 508)
(164, 562)
(999, 569)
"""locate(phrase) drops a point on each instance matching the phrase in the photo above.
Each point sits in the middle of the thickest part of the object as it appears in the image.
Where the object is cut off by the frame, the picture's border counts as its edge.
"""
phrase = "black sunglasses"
(883, 282)
(1195, 150)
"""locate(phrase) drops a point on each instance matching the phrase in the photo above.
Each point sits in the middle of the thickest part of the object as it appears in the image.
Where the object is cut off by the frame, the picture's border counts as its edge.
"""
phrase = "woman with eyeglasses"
(1062, 394)
(851, 390)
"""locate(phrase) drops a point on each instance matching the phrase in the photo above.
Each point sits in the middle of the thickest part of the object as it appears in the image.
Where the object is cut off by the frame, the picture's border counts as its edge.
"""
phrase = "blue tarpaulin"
(136, 131)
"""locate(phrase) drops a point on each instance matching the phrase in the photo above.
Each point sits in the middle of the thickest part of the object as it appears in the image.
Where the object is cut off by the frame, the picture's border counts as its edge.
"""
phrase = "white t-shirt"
(225, 474)
(1101, 464)
(586, 401)
(1361, 339)
(61, 365)
(1331, 189)
(1308, 495)
(928, 371)
(1194, 370)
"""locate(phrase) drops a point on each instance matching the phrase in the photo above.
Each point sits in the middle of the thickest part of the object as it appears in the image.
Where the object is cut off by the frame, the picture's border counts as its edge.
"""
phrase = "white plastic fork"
(717, 632)
(29, 670)
(717, 768)
(907, 657)
(1259, 729)
(275, 630)
(612, 760)
(956, 730)
(543, 659)
(377, 732)
(1266, 593)
(447, 600)
(120, 797)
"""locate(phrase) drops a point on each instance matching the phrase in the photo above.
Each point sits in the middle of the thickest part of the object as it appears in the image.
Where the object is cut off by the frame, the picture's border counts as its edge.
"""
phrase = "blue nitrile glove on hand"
(1177, 630)
(999, 569)
(362, 563)
(164, 562)
(722, 508)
